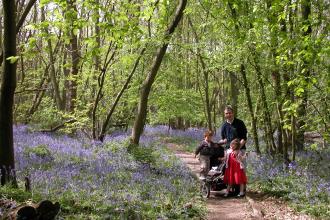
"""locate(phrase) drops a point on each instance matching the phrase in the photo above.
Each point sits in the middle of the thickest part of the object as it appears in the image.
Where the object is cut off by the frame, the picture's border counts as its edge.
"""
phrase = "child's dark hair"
(208, 133)
(236, 144)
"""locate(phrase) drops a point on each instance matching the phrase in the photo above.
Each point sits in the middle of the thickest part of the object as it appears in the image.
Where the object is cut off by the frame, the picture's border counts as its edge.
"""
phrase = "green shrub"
(40, 151)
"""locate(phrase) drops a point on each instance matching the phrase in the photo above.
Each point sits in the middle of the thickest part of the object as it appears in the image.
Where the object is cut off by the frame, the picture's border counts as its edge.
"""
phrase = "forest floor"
(254, 206)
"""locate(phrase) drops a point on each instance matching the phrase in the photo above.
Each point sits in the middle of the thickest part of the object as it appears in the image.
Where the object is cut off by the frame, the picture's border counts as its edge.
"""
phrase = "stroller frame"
(213, 181)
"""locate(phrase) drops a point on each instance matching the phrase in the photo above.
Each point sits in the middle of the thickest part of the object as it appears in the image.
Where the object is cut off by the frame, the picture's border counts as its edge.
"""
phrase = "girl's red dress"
(233, 173)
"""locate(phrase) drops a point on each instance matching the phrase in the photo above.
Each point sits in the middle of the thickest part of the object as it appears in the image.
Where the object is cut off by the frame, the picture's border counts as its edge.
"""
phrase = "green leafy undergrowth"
(15, 193)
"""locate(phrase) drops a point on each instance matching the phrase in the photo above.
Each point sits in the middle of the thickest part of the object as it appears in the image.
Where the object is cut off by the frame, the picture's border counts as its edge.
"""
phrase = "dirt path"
(254, 206)
(219, 207)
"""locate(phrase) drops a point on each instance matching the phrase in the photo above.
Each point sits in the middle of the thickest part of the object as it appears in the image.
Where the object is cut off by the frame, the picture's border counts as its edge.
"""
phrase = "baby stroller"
(213, 181)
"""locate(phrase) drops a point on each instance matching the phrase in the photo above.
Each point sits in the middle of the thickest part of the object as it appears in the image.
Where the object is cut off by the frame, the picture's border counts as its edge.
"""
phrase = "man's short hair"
(229, 108)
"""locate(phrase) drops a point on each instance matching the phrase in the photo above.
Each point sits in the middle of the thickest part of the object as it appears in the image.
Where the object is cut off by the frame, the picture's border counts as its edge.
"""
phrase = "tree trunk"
(146, 86)
(52, 72)
(266, 112)
(113, 107)
(66, 73)
(233, 91)
(38, 96)
(99, 94)
(289, 90)
(208, 108)
(74, 51)
(8, 85)
(250, 107)
(1, 28)
(20, 22)
(306, 11)
(276, 76)
(293, 137)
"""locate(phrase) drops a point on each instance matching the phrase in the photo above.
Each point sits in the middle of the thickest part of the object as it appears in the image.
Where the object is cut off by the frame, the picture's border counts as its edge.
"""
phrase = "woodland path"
(217, 206)
(254, 206)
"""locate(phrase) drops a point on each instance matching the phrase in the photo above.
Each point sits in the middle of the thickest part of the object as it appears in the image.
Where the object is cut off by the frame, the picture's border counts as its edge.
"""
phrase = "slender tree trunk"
(266, 112)
(38, 96)
(205, 80)
(250, 107)
(97, 59)
(206, 91)
(114, 105)
(66, 73)
(52, 72)
(233, 79)
(146, 86)
(99, 94)
(1, 28)
(306, 11)
(74, 51)
(8, 85)
(273, 23)
(290, 90)
(233, 92)
(293, 137)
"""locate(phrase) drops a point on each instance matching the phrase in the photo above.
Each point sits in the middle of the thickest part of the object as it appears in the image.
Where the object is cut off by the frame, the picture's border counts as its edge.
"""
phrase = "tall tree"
(8, 84)
(146, 86)
(52, 72)
(72, 16)
(305, 70)
(205, 80)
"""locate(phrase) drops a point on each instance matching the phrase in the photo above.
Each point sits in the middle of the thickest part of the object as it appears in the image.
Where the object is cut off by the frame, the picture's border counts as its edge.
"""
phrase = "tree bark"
(52, 73)
(206, 80)
(272, 20)
(38, 95)
(266, 113)
(66, 73)
(233, 91)
(99, 94)
(1, 44)
(74, 52)
(8, 85)
(20, 22)
(250, 107)
(306, 11)
(146, 86)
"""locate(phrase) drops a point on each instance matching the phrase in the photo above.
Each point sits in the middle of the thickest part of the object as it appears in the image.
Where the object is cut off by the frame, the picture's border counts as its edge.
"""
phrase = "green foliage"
(12, 59)
(17, 194)
(47, 115)
(40, 151)
(143, 154)
(178, 103)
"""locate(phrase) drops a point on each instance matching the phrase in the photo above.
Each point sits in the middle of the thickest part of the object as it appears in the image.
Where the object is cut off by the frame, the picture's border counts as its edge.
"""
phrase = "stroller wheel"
(205, 190)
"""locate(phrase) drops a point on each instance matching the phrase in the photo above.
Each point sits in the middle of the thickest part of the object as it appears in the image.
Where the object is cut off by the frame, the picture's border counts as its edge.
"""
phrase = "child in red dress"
(235, 173)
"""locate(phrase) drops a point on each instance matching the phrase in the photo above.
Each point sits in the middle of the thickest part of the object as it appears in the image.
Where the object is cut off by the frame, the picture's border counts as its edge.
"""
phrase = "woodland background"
(99, 66)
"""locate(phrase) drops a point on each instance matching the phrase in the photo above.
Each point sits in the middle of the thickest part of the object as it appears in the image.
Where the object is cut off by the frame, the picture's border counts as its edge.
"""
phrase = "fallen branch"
(43, 210)
(59, 126)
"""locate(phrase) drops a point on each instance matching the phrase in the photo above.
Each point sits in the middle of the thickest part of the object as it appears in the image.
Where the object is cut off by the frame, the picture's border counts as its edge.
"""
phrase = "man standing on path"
(233, 128)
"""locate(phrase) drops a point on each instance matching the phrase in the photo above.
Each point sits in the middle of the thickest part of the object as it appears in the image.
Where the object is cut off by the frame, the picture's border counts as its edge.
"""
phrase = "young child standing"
(205, 151)
(235, 173)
